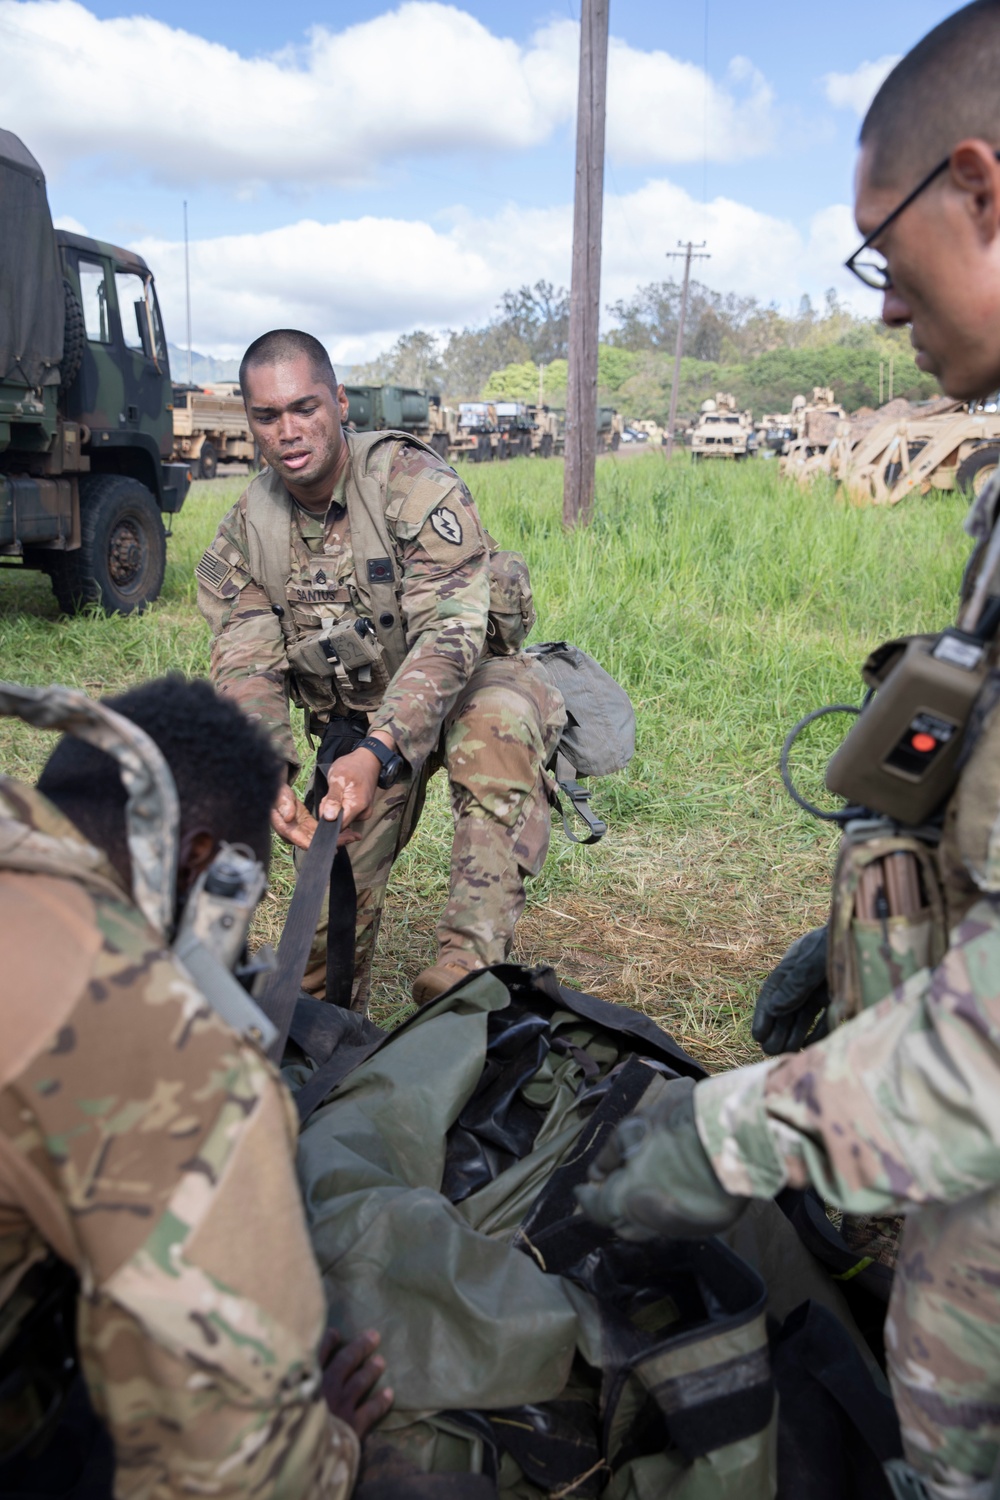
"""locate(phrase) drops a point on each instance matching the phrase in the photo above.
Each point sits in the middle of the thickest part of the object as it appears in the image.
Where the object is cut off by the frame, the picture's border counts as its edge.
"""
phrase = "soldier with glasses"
(896, 1111)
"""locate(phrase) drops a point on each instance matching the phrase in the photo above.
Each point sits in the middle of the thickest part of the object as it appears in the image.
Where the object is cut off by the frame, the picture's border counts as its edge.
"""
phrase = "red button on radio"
(925, 743)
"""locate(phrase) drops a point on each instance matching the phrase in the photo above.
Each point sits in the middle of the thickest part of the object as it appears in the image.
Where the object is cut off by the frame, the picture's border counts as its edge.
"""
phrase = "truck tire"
(616, 441)
(484, 449)
(974, 472)
(123, 549)
(545, 447)
(503, 448)
(439, 442)
(74, 339)
(208, 461)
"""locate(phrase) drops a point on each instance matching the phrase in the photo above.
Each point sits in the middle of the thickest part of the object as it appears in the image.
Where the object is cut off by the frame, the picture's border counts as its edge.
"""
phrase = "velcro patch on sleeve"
(218, 576)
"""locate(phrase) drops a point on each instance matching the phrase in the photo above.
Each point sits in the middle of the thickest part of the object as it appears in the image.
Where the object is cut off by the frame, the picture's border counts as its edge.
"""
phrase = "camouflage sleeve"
(900, 1105)
(155, 1132)
(248, 662)
(445, 600)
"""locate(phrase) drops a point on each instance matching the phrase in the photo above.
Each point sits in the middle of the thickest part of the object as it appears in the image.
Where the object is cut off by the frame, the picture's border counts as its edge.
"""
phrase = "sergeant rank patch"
(447, 525)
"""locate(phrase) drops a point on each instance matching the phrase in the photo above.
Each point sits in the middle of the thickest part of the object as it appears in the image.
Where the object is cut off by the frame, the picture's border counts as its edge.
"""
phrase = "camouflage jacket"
(136, 1135)
(901, 1104)
(443, 563)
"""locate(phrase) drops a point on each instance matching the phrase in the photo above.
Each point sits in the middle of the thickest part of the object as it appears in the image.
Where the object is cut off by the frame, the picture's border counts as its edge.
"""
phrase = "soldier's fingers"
(358, 1387)
(372, 1411)
(776, 1040)
(292, 831)
(329, 808)
(354, 1354)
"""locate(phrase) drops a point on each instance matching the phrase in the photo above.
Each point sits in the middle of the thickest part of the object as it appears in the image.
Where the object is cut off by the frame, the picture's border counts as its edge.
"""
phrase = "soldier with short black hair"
(354, 577)
(897, 1111)
(145, 1148)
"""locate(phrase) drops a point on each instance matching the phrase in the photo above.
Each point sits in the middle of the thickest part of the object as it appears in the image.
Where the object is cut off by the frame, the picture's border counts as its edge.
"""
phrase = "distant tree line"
(738, 344)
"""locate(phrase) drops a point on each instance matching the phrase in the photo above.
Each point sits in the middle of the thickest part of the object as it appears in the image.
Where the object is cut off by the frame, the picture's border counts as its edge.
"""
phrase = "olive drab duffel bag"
(526, 1345)
(531, 1352)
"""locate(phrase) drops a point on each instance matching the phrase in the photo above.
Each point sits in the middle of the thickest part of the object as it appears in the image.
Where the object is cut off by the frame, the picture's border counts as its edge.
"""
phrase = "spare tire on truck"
(74, 339)
(123, 549)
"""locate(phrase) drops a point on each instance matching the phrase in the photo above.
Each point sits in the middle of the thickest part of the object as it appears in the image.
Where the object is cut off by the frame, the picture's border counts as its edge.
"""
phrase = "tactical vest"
(936, 873)
(363, 651)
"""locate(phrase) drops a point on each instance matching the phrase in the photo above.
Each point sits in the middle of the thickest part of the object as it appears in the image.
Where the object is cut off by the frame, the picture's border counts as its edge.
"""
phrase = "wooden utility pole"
(689, 252)
(585, 285)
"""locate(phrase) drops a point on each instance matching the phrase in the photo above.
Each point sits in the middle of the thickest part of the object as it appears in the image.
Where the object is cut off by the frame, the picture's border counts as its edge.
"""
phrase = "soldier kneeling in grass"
(354, 577)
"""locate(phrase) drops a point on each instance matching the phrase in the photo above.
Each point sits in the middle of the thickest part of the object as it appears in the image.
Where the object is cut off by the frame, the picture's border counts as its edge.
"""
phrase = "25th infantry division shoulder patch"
(447, 525)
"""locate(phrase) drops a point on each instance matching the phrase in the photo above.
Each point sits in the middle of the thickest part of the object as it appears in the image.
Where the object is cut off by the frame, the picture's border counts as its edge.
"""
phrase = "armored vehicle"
(372, 408)
(211, 428)
(721, 431)
(85, 405)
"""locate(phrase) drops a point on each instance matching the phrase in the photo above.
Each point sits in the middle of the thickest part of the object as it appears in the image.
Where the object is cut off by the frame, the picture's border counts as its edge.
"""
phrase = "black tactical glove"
(792, 996)
(654, 1179)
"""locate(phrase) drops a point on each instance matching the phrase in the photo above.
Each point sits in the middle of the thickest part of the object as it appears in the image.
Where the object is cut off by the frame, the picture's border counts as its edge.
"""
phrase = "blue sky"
(364, 171)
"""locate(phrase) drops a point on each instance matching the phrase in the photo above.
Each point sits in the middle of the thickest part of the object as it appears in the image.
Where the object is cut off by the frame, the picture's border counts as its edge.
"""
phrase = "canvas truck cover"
(32, 305)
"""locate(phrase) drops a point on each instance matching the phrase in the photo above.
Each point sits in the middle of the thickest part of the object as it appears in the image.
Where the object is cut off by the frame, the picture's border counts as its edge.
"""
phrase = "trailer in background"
(211, 428)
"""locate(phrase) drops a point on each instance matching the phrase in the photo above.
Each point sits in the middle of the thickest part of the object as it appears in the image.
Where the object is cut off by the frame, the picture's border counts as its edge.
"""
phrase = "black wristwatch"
(390, 761)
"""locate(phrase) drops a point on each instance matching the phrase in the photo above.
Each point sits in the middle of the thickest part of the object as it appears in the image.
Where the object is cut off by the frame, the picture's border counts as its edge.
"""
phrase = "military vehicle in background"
(881, 457)
(722, 431)
(477, 434)
(610, 426)
(85, 397)
(518, 428)
(210, 428)
(653, 431)
(814, 424)
(372, 408)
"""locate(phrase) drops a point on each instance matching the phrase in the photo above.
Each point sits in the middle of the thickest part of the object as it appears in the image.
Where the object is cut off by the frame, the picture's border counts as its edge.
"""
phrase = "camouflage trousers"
(943, 1344)
(494, 746)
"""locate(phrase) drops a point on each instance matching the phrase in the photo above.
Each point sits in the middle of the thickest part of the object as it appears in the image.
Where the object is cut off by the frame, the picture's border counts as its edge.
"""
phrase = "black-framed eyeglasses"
(875, 273)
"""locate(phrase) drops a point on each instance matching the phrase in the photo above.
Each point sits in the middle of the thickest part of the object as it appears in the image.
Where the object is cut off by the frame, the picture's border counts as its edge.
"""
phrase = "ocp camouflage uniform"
(899, 1110)
(135, 1128)
(492, 721)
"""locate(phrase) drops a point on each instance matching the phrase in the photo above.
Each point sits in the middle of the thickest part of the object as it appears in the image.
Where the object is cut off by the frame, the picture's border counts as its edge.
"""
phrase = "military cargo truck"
(85, 397)
(372, 408)
(721, 431)
(211, 428)
(516, 421)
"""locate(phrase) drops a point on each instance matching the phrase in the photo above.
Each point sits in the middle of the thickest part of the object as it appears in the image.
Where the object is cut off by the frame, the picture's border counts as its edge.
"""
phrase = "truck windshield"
(94, 296)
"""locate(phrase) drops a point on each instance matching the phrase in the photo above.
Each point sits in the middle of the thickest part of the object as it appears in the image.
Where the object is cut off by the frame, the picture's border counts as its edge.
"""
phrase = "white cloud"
(857, 90)
(67, 221)
(358, 283)
(424, 78)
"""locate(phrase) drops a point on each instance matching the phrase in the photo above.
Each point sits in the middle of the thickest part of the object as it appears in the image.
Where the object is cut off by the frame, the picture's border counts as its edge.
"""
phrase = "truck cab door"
(148, 393)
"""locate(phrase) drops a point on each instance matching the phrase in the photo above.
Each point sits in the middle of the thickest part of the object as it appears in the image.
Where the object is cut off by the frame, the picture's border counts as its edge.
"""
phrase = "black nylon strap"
(323, 869)
(336, 1068)
(579, 799)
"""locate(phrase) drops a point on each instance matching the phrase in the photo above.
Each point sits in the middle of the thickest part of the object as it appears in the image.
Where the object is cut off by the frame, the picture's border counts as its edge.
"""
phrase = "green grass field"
(729, 603)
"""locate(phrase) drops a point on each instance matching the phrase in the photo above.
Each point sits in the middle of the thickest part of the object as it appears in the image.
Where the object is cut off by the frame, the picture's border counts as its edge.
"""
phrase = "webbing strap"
(325, 868)
(579, 799)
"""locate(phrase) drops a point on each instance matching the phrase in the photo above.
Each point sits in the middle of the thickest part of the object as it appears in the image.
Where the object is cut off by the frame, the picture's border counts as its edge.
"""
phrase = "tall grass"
(728, 602)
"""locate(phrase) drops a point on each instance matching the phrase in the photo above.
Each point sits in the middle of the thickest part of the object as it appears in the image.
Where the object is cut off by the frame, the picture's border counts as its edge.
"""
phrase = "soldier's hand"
(291, 821)
(793, 998)
(653, 1178)
(350, 1374)
(351, 783)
